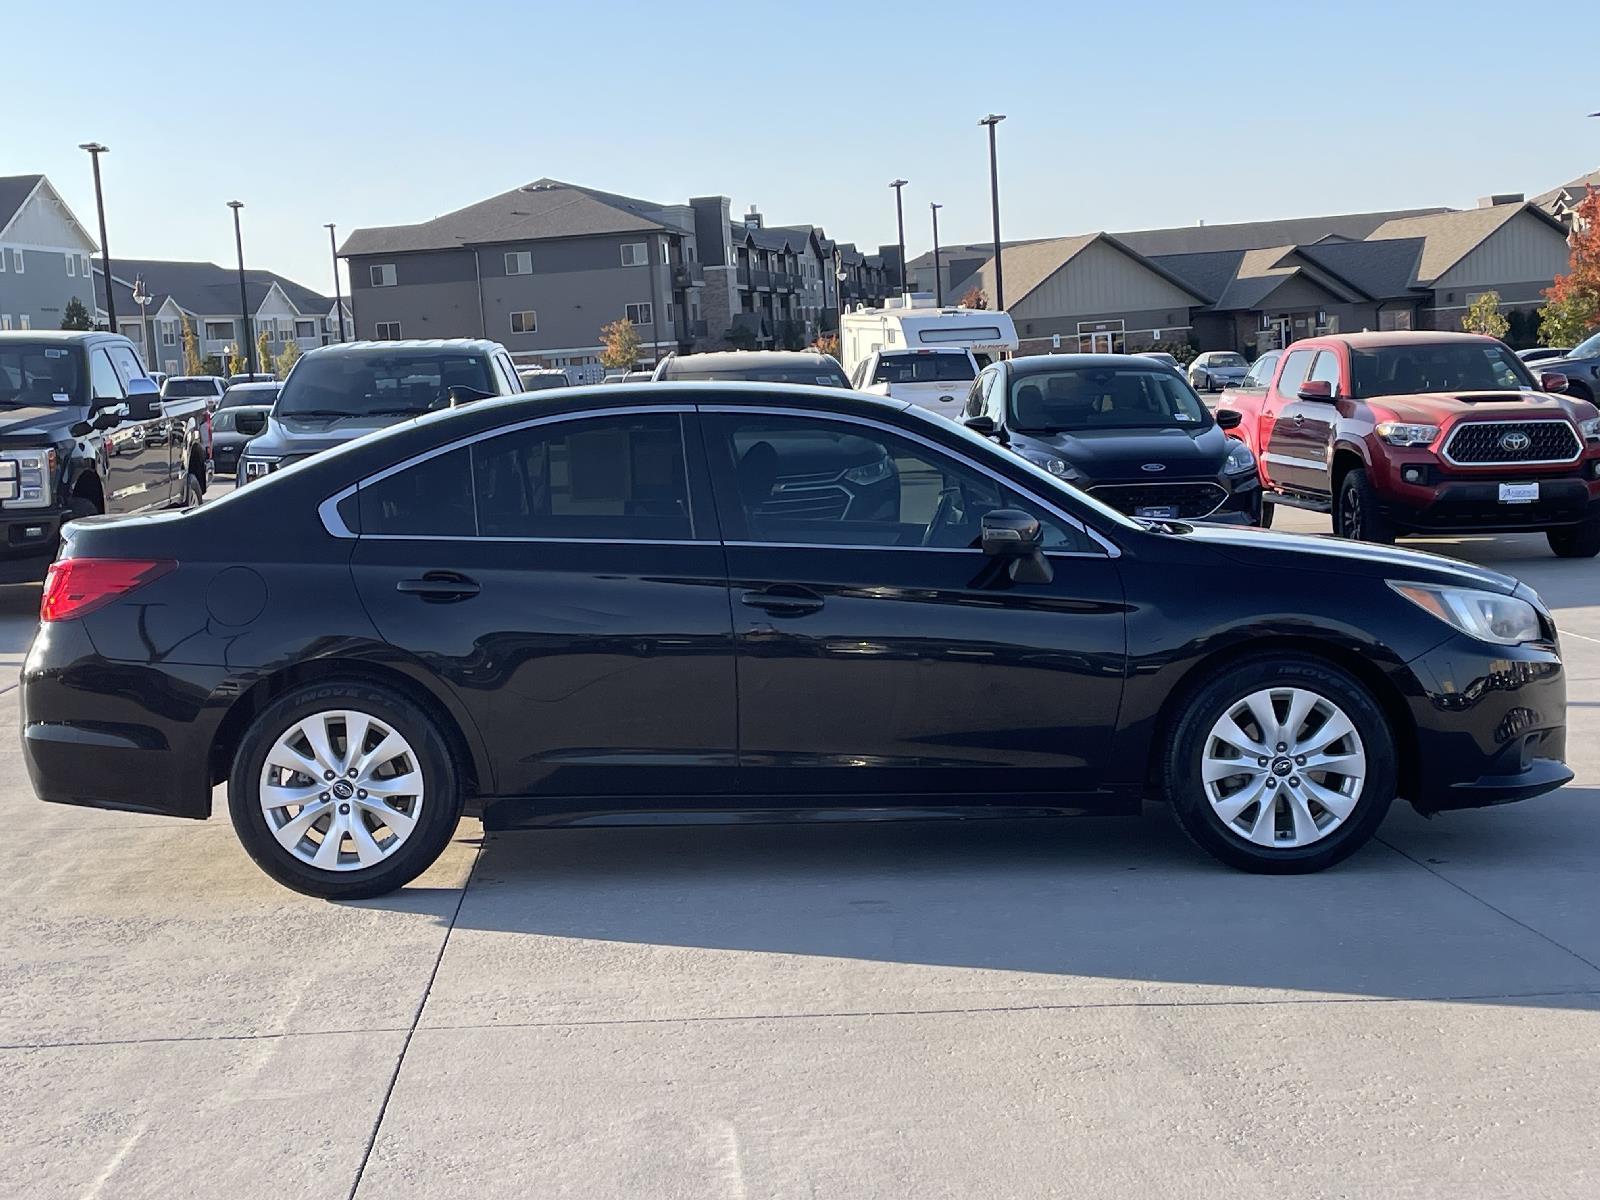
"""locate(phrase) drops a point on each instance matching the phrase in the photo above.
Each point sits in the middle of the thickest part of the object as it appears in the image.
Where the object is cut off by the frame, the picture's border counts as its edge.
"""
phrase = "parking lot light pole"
(991, 121)
(338, 300)
(95, 150)
(938, 281)
(900, 220)
(244, 300)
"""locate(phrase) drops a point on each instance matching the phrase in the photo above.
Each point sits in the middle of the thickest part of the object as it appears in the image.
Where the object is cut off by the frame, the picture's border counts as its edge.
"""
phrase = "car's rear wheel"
(1356, 514)
(1281, 766)
(1575, 541)
(192, 491)
(344, 790)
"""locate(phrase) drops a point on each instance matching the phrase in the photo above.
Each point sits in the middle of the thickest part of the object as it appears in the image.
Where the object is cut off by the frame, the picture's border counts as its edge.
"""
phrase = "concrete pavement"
(1008, 1009)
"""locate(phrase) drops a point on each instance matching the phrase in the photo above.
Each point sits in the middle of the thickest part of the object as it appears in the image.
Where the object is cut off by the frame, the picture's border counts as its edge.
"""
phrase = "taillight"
(75, 587)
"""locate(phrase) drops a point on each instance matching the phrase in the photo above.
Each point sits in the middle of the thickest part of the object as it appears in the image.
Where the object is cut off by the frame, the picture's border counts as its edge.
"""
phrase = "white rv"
(912, 349)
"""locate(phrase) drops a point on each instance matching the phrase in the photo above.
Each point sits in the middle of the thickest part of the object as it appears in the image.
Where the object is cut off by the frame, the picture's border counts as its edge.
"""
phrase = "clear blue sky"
(375, 114)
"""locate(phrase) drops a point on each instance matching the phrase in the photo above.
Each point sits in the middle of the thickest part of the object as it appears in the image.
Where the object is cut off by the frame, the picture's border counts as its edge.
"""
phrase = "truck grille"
(1492, 442)
(1192, 500)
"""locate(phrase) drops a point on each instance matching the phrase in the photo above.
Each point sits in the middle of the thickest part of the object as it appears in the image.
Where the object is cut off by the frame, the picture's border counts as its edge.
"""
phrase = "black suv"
(1581, 366)
(337, 393)
(83, 430)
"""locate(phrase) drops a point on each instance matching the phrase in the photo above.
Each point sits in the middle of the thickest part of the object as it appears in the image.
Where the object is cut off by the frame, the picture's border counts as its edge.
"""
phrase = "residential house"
(44, 255)
(208, 296)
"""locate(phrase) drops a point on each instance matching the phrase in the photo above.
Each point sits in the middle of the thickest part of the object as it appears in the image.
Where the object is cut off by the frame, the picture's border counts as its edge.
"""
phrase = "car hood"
(1102, 454)
(308, 435)
(1433, 408)
(38, 424)
(1269, 550)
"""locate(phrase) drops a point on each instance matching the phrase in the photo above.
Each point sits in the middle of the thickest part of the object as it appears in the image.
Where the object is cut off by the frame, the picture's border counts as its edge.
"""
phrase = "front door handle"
(783, 600)
(440, 586)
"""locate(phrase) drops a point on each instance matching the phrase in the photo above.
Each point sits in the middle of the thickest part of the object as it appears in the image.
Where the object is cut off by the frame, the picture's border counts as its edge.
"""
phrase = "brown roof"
(1449, 237)
(1029, 264)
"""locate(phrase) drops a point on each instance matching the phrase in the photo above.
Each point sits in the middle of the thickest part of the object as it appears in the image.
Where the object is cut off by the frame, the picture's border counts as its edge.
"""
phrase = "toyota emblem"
(1515, 441)
(1154, 467)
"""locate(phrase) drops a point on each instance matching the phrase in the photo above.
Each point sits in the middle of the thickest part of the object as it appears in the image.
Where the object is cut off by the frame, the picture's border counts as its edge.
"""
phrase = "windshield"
(1413, 369)
(819, 376)
(1226, 360)
(257, 394)
(36, 373)
(1588, 348)
(924, 368)
(178, 388)
(1084, 398)
(379, 383)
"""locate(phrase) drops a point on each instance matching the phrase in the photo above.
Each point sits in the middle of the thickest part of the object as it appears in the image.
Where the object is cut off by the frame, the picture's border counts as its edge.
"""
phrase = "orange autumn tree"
(1573, 311)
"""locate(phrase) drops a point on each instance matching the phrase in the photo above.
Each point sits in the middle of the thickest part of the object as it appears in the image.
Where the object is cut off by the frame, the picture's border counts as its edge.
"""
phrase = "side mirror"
(1011, 535)
(1552, 382)
(1229, 418)
(1316, 389)
(983, 425)
(142, 388)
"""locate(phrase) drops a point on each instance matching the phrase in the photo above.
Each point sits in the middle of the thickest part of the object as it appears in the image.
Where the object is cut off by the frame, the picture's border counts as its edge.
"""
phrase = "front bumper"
(1449, 500)
(28, 543)
(1490, 722)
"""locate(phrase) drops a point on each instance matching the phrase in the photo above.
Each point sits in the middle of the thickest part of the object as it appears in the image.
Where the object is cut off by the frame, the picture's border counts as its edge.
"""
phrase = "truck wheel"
(191, 491)
(1575, 541)
(82, 506)
(1356, 515)
(1266, 513)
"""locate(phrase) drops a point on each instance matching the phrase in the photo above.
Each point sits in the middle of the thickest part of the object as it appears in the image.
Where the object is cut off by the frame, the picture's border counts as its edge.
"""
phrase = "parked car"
(343, 391)
(937, 380)
(1581, 367)
(1130, 433)
(1162, 357)
(257, 377)
(756, 366)
(503, 609)
(254, 394)
(1539, 354)
(1216, 369)
(195, 387)
(83, 431)
(538, 379)
(629, 376)
(232, 428)
(1423, 433)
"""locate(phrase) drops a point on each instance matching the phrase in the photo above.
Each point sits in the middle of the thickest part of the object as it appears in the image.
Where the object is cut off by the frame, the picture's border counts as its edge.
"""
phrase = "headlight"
(1487, 616)
(35, 472)
(1399, 433)
(1590, 428)
(1059, 467)
(256, 468)
(873, 472)
(1240, 459)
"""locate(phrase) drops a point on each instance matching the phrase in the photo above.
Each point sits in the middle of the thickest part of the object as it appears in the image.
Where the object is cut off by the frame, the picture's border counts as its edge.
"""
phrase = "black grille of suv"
(1191, 499)
(1512, 442)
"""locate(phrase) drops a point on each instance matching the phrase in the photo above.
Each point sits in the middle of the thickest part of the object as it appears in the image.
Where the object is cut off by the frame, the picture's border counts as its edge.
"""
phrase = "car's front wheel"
(1356, 514)
(1575, 541)
(344, 790)
(1281, 766)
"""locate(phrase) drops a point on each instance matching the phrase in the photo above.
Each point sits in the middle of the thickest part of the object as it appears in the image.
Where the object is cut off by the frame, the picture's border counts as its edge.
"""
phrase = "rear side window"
(431, 499)
(1294, 372)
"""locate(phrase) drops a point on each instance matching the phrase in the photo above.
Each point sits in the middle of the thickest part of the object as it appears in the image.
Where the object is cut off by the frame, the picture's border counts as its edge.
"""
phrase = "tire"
(1575, 541)
(193, 492)
(1298, 834)
(424, 808)
(1266, 513)
(1355, 512)
(81, 506)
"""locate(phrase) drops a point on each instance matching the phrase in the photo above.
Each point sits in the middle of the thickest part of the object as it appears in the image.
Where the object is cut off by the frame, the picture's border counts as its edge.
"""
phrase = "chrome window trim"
(1455, 432)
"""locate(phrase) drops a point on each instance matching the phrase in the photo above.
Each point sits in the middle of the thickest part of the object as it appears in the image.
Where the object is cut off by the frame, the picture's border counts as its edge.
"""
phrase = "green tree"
(1484, 316)
(620, 342)
(1573, 311)
(285, 361)
(263, 355)
(76, 316)
(192, 362)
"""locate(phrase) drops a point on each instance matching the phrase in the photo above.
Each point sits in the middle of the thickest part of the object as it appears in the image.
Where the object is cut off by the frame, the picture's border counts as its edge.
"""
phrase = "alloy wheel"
(1349, 514)
(341, 790)
(1283, 767)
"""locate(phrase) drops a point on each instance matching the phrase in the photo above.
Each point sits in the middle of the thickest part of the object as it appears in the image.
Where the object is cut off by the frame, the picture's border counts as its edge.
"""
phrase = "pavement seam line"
(1538, 933)
(394, 1078)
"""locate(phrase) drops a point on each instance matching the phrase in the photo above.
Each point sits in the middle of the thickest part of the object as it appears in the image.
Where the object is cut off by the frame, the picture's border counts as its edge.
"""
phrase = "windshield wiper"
(397, 412)
(317, 412)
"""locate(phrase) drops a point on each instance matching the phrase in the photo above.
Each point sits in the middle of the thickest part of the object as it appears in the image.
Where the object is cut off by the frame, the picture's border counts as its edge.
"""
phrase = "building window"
(388, 331)
(17, 265)
(519, 262)
(72, 264)
(27, 321)
(305, 329)
(635, 254)
(169, 333)
(382, 274)
(219, 331)
(525, 322)
(5, 321)
(85, 266)
(688, 252)
(641, 314)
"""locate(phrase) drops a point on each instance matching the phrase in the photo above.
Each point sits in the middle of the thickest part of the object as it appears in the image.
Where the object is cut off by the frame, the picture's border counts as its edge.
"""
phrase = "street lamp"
(900, 219)
(338, 300)
(991, 121)
(244, 300)
(938, 282)
(141, 297)
(95, 150)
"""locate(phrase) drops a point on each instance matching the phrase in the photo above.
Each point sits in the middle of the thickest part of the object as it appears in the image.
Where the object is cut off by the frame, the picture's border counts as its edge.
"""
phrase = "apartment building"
(45, 255)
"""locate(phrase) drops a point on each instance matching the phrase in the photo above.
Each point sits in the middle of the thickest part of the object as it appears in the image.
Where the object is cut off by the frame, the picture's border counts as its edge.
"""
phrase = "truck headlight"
(1590, 429)
(1487, 616)
(1240, 459)
(35, 473)
(257, 468)
(1401, 433)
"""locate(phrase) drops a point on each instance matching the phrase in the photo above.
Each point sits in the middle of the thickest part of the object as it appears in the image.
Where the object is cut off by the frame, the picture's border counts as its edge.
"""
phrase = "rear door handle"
(783, 600)
(440, 586)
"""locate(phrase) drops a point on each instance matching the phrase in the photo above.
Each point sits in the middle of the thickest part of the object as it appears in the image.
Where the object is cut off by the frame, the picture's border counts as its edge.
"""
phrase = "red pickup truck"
(1424, 433)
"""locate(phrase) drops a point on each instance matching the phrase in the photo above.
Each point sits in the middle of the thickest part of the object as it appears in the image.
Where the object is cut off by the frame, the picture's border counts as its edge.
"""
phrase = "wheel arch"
(1347, 456)
(89, 486)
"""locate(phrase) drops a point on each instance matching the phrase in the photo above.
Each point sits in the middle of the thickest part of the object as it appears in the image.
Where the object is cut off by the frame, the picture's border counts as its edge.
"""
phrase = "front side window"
(103, 381)
(1413, 369)
(802, 481)
(1050, 402)
(1294, 372)
(1326, 370)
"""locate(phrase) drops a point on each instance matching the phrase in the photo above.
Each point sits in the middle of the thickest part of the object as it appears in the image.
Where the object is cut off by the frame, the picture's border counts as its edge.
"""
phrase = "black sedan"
(1123, 429)
(588, 606)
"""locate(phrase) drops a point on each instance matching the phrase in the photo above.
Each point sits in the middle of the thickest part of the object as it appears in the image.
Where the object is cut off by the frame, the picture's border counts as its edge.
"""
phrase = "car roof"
(1032, 364)
(178, 377)
(1395, 338)
(259, 385)
(458, 345)
(744, 358)
(58, 335)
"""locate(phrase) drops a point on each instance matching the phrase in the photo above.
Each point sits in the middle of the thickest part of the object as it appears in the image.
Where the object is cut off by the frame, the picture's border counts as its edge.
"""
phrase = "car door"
(1305, 430)
(879, 653)
(564, 577)
(1277, 445)
(135, 470)
(163, 434)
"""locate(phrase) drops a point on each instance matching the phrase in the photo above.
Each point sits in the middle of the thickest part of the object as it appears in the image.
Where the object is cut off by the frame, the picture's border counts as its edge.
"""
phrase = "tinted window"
(247, 395)
(612, 477)
(814, 482)
(431, 499)
(35, 374)
(127, 364)
(381, 382)
(1326, 369)
(1294, 372)
(1103, 398)
(189, 387)
(923, 368)
(103, 381)
(1261, 371)
(1414, 368)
